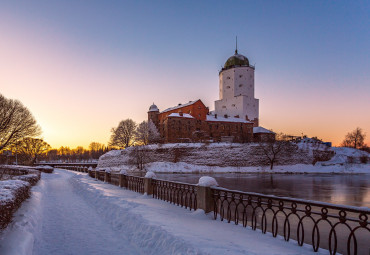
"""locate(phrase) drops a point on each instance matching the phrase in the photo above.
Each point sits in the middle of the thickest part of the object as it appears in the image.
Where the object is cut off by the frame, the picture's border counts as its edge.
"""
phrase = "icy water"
(341, 189)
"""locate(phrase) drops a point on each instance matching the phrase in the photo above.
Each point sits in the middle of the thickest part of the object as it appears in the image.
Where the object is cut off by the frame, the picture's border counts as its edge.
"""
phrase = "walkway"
(70, 213)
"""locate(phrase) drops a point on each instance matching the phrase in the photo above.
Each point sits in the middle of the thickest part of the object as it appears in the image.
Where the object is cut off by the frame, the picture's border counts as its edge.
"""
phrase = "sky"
(83, 66)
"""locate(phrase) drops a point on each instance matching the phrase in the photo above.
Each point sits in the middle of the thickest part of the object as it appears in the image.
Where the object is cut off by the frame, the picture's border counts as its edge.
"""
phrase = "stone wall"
(223, 155)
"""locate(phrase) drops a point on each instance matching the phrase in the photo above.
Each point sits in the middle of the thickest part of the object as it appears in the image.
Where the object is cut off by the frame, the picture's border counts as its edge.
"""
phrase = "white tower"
(237, 90)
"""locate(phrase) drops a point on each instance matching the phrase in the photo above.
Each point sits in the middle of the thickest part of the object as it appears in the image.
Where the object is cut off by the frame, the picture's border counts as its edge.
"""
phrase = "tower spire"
(236, 45)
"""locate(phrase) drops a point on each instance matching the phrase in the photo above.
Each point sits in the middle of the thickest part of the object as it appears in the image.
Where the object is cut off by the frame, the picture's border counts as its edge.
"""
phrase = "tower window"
(240, 76)
(233, 105)
(228, 77)
(240, 85)
(228, 87)
(224, 106)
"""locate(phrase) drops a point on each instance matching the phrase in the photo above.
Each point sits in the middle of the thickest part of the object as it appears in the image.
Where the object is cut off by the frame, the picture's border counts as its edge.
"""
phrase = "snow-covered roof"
(229, 119)
(153, 108)
(184, 115)
(257, 130)
(180, 106)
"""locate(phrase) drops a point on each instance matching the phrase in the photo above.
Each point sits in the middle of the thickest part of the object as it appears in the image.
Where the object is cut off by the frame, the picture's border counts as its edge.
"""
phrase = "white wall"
(236, 90)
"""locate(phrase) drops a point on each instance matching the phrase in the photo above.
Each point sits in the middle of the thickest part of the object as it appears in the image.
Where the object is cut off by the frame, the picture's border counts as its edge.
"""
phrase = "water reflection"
(338, 189)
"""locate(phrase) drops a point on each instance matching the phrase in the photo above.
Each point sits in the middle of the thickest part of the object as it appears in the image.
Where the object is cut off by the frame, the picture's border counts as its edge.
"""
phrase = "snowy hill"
(226, 157)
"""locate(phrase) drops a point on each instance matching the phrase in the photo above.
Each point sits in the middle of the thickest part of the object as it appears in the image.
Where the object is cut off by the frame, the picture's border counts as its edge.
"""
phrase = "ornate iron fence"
(100, 175)
(336, 228)
(114, 178)
(135, 183)
(181, 194)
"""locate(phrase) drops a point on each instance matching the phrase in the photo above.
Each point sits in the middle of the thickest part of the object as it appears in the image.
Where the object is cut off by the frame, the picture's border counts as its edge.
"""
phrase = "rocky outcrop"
(222, 155)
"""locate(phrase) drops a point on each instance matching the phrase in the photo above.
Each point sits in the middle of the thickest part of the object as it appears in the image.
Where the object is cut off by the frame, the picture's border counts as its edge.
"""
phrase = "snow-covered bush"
(31, 178)
(207, 181)
(12, 194)
(150, 175)
(45, 169)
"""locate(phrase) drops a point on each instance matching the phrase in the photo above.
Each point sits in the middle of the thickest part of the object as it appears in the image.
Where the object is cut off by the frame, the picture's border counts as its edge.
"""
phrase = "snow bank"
(158, 227)
(206, 181)
(150, 174)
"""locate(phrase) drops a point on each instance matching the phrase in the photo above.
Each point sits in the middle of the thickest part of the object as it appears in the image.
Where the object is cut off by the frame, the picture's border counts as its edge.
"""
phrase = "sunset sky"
(82, 66)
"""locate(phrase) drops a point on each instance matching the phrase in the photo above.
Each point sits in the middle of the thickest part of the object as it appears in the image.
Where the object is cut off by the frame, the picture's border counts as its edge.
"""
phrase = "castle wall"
(236, 90)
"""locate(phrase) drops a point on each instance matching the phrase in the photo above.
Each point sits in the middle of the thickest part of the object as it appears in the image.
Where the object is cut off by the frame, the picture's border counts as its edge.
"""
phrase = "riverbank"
(182, 167)
(233, 158)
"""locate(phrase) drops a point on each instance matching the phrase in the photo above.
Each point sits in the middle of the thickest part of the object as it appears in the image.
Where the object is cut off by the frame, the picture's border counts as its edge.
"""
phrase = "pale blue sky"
(102, 61)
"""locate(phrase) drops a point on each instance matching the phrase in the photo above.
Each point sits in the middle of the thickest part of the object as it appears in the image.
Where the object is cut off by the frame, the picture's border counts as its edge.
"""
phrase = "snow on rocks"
(207, 181)
(237, 158)
(150, 174)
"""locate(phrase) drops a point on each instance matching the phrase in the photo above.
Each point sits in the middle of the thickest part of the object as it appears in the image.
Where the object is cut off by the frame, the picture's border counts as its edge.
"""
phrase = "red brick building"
(192, 122)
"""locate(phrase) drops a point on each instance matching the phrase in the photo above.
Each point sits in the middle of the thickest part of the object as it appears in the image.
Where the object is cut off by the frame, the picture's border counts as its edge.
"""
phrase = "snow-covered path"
(71, 213)
(71, 226)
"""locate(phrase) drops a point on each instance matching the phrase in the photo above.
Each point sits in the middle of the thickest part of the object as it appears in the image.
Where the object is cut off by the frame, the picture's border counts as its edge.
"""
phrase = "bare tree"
(147, 133)
(273, 149)
(16, 122)
(354, 139)
(139, 156)
(31, 148)
(123, 135)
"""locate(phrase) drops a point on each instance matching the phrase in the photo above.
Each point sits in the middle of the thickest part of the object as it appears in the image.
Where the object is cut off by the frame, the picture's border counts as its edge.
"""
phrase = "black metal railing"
(336, 228)
(100, 175)
(181, 194)
(135, 183)
(114, 178)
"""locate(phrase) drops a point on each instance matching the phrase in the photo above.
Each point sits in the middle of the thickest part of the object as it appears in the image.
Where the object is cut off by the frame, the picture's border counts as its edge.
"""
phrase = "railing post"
(204, 199)
(148, 187)
(204, 193)
(122, 181)
(107, 177)
(96, 173)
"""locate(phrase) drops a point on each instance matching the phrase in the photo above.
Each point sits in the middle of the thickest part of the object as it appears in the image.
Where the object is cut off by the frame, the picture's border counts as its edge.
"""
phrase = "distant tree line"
(78, 154)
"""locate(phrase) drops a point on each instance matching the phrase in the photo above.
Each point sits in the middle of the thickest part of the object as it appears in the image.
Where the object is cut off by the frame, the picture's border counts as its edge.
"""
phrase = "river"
(351, 189)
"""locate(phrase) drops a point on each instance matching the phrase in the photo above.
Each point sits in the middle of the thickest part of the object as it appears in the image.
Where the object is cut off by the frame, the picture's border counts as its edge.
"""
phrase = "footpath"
(70, 213)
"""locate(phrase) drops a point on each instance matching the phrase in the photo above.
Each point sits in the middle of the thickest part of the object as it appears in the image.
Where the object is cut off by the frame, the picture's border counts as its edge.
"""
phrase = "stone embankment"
(220, 154)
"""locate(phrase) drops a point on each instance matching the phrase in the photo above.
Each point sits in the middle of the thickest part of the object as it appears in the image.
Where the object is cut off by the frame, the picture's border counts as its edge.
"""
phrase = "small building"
(261, 134)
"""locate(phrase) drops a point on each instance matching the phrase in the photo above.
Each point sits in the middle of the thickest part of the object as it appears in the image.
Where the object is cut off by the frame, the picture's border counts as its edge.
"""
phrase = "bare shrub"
(364, 159)
(350, 160)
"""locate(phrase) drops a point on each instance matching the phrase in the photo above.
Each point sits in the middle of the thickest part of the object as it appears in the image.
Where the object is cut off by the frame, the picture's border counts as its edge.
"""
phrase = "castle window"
(228, 87)
(228, 77)
(233, 105)
(240, 85)
(240, 76)
(224, 106)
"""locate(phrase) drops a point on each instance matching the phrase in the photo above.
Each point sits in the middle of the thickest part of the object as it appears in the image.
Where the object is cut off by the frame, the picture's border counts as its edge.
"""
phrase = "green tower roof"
(236, 60)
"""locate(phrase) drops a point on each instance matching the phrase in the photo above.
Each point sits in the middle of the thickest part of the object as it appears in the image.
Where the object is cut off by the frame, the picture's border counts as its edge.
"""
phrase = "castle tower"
(236, 94)
(153, 115)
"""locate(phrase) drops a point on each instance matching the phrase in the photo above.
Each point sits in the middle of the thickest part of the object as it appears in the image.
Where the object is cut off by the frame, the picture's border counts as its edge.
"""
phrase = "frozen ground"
(71, 213)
